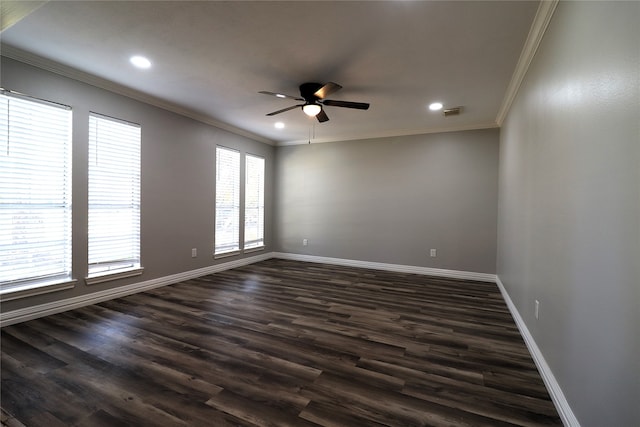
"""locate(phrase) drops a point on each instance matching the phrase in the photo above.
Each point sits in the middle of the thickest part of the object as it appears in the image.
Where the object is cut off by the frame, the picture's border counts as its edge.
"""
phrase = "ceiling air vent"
(452, 111)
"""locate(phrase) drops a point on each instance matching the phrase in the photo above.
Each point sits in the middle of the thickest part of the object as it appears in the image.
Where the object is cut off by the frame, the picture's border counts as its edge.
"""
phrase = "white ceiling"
(211, 58)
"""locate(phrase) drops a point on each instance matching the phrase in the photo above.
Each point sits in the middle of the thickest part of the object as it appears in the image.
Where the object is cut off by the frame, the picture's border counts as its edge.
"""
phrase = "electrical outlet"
(194, 253)
(537, 309)
(305, 242)
(432, 253)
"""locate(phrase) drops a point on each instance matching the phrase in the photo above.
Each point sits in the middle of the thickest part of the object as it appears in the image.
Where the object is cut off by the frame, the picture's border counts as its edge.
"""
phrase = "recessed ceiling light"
(279, 125)
(436, 106)
(140, 61)
(279, 95)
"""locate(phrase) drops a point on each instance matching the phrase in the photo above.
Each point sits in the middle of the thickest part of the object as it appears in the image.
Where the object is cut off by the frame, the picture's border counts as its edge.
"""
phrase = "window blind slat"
(114, 194)
(35, 191)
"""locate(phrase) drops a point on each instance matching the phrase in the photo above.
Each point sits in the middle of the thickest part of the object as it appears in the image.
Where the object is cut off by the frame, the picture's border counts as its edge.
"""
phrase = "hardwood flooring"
(279, 343)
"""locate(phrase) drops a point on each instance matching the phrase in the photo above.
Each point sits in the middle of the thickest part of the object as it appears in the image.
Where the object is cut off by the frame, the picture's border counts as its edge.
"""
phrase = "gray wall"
(569, 207)
(390, 200)
(178, 179)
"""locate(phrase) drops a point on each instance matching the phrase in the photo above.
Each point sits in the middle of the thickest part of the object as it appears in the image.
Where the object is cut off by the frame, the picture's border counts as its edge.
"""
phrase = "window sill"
(255, 249)
(113, 275)
(33, 289)
(226, 254)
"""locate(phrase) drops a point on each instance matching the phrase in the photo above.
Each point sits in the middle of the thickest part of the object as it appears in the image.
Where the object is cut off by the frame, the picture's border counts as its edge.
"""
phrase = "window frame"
(29, 112)
(130, 265)
(249, 246)
(234, 246)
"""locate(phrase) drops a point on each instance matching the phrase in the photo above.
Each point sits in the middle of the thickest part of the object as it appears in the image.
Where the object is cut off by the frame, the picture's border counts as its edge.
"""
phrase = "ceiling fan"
(313, 95)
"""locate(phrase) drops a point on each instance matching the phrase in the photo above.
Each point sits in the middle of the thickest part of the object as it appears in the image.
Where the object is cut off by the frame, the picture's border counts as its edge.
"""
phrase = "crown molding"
(12, 12)
(538, 28)
(66, 71)
(391, 134)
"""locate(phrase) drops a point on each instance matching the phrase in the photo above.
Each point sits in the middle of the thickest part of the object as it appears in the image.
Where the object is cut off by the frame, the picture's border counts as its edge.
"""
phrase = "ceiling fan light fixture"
(311, 110)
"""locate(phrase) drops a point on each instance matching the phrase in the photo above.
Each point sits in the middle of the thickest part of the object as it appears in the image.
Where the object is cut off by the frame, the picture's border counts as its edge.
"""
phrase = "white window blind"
(254, 202)
(114, 195)
(227, 233)
(35, 193)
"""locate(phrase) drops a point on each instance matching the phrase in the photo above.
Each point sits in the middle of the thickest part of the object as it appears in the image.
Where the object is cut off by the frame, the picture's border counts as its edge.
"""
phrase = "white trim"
(34, 312)
(66, 71)
(253, 249)
(14, 12)
(392, 134)
(538, 28)
(108, 276)
(226, 254)
(557, 396)
(536, 33)
(455, 274)
(63, 70)
(37, 288)
(25, 97)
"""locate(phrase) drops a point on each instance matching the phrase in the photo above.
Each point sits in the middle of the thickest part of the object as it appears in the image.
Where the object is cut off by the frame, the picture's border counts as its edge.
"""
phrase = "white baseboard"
(34, 312)
(557, 396)
(456, 274)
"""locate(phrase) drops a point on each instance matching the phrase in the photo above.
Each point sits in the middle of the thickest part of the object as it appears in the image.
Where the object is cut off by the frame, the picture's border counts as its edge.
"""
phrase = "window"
(254, 202)
(35, 193)
(227, 233)
(114, 196)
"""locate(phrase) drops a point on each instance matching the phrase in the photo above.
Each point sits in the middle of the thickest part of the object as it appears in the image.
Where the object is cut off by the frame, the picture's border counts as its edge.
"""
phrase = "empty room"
(320, 213)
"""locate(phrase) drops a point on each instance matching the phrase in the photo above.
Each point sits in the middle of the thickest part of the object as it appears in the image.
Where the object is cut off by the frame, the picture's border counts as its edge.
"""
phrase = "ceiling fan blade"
(283, 110)
(327, 90)
(346, 104)
(322, 116)
(281, 95)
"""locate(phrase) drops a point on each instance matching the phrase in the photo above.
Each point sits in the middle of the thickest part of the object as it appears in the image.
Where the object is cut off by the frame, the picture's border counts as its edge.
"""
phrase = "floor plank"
(279, 343)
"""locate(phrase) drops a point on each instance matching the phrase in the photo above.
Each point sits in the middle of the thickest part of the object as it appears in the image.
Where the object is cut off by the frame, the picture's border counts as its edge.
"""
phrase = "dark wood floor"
(279, 343)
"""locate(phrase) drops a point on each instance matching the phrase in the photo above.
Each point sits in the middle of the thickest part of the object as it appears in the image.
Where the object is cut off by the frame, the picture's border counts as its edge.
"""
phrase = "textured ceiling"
(212, 58)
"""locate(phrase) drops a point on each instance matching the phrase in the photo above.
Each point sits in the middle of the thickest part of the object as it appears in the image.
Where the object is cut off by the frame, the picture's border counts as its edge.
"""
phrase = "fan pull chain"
(312, 132)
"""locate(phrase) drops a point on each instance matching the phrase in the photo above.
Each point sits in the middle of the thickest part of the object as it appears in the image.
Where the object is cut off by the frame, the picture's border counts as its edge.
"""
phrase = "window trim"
(226, 254)
(236, 250)
(261, 246)
(254, 249)
(136, 268)
(61, 280)
(108, 276)
(34, 288)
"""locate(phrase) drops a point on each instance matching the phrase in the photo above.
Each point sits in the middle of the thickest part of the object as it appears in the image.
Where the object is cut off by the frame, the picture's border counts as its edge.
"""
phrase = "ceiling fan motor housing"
(308, 90)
